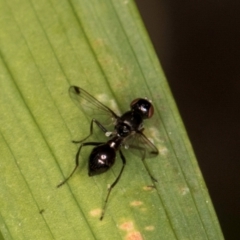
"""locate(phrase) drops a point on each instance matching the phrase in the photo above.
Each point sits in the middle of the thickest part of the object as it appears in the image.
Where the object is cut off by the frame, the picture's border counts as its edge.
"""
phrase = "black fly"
(128, 133)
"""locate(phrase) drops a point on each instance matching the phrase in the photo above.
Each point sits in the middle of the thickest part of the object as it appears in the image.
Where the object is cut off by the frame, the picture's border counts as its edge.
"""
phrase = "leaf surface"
(101, 46)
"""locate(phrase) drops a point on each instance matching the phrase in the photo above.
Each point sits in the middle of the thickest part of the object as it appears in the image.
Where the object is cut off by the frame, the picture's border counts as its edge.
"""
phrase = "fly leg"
(113, 184)
(77, 159)
(143, 153)
(149, 173)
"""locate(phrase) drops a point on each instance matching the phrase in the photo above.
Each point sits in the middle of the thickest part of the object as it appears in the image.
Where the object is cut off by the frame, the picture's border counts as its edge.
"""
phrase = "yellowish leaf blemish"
(96, 212)
(184, 190)
(134, 236)
(127, 226)
(149, 228)
(148, 188)
(136, 203)
(163, 151)
(132, 233)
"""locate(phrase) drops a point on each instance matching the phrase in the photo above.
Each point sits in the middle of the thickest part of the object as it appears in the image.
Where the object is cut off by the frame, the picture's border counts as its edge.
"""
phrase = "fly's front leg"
(91, 130)
(113, 184)
(77, 159)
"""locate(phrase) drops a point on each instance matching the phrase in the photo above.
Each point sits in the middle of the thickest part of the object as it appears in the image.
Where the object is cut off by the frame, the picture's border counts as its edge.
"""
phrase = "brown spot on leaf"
(134, 236)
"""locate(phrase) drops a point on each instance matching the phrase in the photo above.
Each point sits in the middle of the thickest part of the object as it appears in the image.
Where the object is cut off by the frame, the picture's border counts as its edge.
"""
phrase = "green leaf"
(101, 46)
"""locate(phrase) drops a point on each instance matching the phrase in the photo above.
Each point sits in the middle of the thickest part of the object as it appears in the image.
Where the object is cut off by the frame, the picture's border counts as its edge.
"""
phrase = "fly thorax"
(133, 119)
(123, 129)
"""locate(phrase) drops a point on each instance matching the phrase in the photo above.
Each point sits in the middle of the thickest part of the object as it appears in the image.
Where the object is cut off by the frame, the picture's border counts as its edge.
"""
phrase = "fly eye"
(143, 106)
(150, 111)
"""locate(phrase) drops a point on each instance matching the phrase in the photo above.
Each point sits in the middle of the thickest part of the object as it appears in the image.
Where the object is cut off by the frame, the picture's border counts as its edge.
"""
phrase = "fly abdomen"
(101, 159)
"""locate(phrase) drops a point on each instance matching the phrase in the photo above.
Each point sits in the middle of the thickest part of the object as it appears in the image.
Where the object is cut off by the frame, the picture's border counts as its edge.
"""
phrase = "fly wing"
(91, 106)
(141, 146)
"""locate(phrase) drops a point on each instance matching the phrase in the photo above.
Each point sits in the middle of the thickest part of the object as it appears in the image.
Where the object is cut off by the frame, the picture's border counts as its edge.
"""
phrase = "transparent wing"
(91, 106)
(141, 146)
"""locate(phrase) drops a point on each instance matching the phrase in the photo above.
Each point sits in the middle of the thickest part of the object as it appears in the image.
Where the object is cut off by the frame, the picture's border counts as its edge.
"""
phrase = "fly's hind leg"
(77, 159)
(113, 184)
